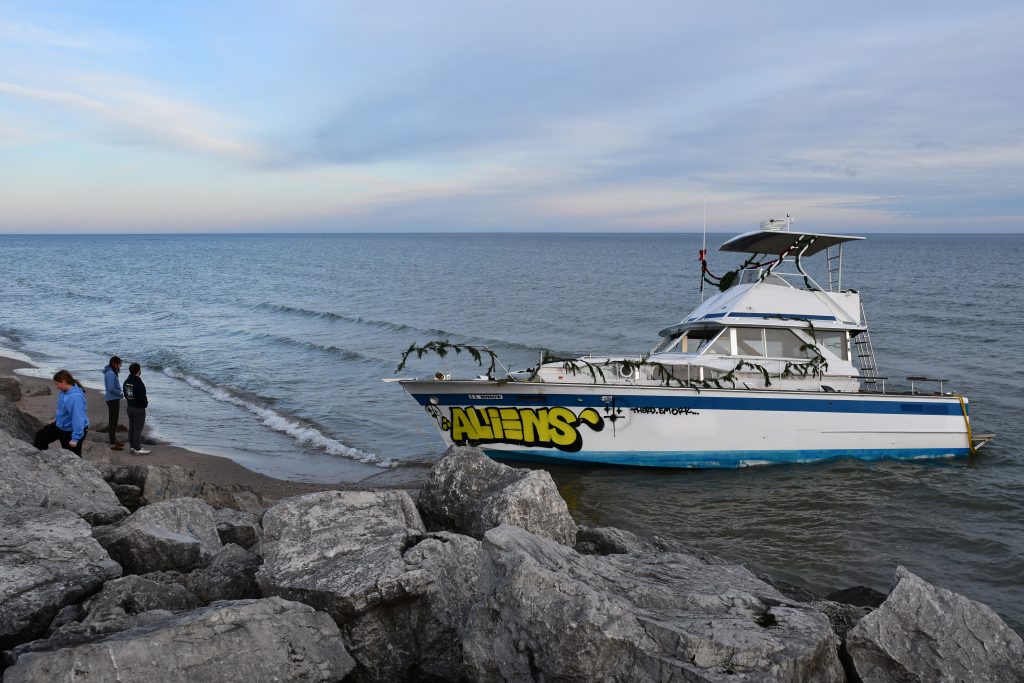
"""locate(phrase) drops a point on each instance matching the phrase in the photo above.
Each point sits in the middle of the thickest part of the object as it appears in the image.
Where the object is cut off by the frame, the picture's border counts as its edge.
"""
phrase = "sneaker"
(117, 446)
(141, 451)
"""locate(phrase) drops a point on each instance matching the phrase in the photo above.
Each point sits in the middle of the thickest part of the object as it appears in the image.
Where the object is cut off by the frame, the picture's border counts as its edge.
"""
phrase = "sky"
(303, 116)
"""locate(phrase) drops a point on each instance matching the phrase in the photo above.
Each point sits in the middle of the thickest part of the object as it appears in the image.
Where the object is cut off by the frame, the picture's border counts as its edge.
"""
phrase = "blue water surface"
(270, 349)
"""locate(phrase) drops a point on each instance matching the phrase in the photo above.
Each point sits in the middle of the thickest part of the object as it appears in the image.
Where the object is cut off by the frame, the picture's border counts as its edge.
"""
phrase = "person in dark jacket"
(112, 394)
(71, 423)
(135, 395)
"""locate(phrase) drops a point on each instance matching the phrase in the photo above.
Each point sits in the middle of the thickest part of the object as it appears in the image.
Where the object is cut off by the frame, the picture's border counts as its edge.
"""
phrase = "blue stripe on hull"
(719, 459)
(697, 402)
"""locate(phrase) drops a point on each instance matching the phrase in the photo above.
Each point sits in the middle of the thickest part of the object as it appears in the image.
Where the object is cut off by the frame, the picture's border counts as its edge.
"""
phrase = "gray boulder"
(608, 540)
(251, 640)
(178, 534)
(859, 596)
(417, 634)
(926, 633)
(235, 526)
(469, 493)
(10, 389)
(133, 594)
(399, 596)
(48, 560)
(337, 550)
(55, 478)
(551, 613)
(157, 483)
(20, 425)
(125, 603)
(230, 576)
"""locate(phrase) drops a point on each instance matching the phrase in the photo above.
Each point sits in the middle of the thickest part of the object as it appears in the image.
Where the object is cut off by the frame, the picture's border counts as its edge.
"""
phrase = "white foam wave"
(16, 355)
(304, 434)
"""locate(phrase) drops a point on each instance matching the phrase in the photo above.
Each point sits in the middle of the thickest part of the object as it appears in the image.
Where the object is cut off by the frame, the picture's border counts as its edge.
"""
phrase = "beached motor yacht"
(774, 368)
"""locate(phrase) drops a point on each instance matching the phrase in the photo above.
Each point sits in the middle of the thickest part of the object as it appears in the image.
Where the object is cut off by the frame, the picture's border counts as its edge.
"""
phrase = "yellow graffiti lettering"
(535, 426)
(462, 430)
(481, 430)
(562, 421)
(494, 420)
(512, 424)
(556, 427)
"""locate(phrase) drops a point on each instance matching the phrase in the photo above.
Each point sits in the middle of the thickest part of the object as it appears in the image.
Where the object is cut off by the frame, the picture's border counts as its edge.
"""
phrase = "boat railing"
(917, 378)
(691, 374)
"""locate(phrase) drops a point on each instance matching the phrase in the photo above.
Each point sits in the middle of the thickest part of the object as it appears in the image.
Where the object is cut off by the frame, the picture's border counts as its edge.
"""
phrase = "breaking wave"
(305, 434)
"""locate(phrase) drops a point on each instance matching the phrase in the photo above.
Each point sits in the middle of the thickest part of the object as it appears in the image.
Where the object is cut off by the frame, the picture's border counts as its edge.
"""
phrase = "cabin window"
(784, 344)
(695, 341)
(723, 344)
(667, 344)
(749, 341)
(835, 342)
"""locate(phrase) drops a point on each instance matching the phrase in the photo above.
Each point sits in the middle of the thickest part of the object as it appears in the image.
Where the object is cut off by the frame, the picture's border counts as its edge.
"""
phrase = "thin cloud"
(38, 36)
(129, 115)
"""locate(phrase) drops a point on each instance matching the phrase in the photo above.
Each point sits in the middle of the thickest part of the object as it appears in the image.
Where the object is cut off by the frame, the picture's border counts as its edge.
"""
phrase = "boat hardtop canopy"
(779, 241)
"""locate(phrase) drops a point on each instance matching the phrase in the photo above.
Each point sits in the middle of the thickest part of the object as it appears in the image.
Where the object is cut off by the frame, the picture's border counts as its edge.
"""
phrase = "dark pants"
(136, 421)
(51, 432)
(113, 416)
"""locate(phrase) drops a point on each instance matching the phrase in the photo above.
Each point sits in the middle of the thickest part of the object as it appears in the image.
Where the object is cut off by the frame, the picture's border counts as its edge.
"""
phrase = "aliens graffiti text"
(546, 427)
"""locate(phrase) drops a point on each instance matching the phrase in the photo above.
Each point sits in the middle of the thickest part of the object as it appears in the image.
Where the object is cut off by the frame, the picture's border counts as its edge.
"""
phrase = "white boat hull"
(683, 427)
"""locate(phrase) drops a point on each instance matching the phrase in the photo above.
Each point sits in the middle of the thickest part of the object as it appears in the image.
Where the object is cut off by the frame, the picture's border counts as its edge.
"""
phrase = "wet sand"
(39, 399)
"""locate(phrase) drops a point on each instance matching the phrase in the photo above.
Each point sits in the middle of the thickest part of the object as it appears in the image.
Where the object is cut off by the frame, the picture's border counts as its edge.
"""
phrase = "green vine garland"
(814, 366)
(442, 346)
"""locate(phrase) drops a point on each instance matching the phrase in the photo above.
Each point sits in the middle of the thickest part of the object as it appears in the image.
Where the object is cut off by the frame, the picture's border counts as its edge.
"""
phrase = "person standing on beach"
(135, 395)
(112, 394)
(71, 423)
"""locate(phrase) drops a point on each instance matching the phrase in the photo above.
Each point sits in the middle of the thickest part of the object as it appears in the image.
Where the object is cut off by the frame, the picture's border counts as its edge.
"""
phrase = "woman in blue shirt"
(71, 422)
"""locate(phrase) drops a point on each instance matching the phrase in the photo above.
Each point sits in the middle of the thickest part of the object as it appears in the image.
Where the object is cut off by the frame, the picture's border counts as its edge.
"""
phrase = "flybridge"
(777, 242)
(774, 245)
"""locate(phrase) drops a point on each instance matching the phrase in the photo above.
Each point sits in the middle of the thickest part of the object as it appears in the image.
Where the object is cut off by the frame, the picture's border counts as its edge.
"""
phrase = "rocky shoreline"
(147, 572)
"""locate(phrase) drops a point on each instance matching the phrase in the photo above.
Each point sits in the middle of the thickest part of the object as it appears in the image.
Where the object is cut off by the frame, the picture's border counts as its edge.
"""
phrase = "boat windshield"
(692, 341)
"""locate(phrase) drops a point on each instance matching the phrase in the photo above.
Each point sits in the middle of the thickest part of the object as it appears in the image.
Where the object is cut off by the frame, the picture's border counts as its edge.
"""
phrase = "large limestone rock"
(55, 478)
(926, 633)
(125, 603)
(48, 559)
(179, 534)
(251, 640)
(338, 550)
(230, 576)
(149, 484)
(10, 390)
(468, 492)
(240, 528)
(15, 422)
(418, 634)
(550, 613)
(400, 596)
(608, 540)
(136, 594)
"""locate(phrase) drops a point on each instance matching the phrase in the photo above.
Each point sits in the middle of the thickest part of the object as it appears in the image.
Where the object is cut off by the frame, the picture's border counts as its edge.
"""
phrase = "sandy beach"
(39, 400)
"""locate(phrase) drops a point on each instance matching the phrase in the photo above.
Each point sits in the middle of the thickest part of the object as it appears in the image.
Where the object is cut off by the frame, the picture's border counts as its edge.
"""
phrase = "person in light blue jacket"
(112, 395)
(71, 422)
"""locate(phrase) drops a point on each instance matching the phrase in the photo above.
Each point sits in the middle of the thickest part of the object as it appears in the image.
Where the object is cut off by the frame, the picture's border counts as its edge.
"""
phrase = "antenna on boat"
(704, 247)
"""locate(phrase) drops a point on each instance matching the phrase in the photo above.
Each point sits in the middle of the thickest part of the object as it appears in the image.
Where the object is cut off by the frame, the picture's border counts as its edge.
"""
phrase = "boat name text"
(665, 411)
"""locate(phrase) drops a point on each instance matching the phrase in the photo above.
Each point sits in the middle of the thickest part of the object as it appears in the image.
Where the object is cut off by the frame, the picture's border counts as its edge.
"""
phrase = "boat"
(773, 368)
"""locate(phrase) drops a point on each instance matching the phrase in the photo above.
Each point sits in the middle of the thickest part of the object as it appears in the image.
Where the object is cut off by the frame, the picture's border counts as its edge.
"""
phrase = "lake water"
(270, 349)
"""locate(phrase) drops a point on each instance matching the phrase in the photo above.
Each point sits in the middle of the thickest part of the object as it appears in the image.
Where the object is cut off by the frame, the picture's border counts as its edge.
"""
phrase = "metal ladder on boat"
(834, 258)
(864, 351)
